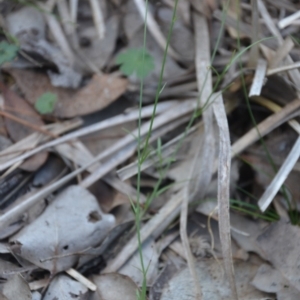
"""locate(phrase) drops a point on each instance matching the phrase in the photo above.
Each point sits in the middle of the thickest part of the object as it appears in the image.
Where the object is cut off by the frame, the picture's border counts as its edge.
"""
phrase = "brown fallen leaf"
(107, 197)
(19, 108)
(19, 113)
(97, 94)
(3, 131)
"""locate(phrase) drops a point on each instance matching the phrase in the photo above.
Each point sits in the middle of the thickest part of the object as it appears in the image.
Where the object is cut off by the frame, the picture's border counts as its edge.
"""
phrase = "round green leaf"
(45, 104)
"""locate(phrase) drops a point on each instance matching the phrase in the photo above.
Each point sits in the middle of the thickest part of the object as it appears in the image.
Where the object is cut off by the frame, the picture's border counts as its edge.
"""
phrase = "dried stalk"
(282, 51)
(255, 29)
(114, 121)
(26, 123)
(259, 78)
(98, 18)
(280, 177)
(154, 28)
(119, 152)
(73, 10)
(58, 34)
(80, 278)
(223, 191)
(288, 112)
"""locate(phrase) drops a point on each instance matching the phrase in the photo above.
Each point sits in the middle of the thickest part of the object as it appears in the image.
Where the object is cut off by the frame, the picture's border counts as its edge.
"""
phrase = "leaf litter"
(222, 154)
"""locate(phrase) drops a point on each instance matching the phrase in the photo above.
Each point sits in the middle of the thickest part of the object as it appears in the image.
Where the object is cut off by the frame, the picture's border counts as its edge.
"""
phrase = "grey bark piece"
(72, 223)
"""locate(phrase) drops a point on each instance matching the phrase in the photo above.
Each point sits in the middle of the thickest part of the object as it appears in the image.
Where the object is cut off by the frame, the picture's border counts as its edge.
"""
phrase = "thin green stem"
(159, 86)
(142, 294)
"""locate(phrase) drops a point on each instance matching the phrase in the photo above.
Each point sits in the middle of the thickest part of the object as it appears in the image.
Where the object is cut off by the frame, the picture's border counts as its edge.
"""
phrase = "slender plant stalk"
(142, 294)
(143, 154)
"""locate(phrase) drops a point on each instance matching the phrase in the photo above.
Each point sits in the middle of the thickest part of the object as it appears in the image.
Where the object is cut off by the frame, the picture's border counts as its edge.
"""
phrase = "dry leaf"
(7, 269)
(108, 198)
(4, 248)
(103, 139)
(184, 10)
(270, 280)
(204, 7)
(29, 27)
(249, 231)
(64, 288)
(36, 295)
(114, 286)
(133, 267)
(109, 244)
(185, 156)
(213, 283)
(97, 94)
(182, 40)
(19, 108)
(279, 144)
(71, 224)
(12, 152)
(173, 265)
(204, 234)
(51, 170)
(132, 20)
(16, 288)
(281, 244)
(96, 50)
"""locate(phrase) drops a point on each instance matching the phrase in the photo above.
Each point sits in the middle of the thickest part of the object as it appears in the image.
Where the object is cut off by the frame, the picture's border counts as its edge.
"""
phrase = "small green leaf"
(132, 61)
(45, 104)
(7, 52)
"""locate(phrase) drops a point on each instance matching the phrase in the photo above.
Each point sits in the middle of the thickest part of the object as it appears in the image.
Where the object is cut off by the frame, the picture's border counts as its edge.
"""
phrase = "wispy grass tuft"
(144, 148)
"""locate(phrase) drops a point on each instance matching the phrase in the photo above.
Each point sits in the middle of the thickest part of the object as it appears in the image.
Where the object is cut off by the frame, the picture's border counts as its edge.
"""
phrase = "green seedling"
(136, 61)
(45, 104)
